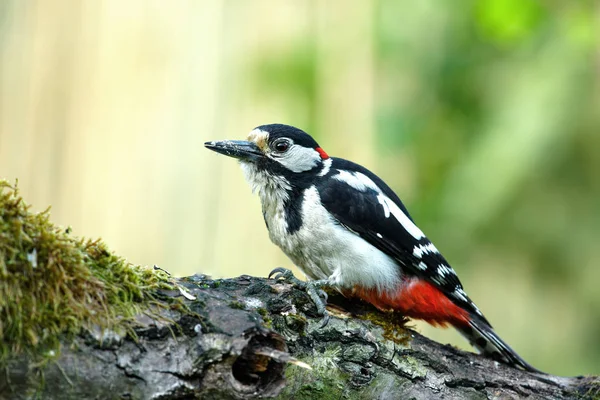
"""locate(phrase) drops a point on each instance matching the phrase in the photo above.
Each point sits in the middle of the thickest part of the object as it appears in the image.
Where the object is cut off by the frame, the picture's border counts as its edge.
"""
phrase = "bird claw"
(285, 274)
(312, 288)
(325, 320)
(323, 295)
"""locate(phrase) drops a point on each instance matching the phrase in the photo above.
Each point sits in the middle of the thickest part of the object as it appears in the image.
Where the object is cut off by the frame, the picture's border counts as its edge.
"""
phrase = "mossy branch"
(79, 322)
(53, 284)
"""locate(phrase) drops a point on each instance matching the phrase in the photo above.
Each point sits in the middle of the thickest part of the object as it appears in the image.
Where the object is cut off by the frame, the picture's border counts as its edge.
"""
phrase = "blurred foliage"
(292, 75)
(508, 21)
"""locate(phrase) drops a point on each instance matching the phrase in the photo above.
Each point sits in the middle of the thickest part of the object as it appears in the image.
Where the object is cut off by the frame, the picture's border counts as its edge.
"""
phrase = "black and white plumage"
(344, 227)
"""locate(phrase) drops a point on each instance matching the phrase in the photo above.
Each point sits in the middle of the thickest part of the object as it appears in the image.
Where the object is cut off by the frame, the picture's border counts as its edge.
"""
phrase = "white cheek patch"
(299, 159)
(390, 208)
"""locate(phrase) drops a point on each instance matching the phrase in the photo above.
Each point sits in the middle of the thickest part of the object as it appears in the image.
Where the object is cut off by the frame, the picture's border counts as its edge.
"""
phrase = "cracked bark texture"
(245, 338)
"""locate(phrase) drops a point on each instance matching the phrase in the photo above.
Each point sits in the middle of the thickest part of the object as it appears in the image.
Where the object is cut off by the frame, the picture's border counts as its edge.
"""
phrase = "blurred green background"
(482, 115)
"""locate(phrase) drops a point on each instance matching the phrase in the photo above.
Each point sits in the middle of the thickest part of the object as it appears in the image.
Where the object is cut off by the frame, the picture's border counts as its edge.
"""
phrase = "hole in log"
(254, 367)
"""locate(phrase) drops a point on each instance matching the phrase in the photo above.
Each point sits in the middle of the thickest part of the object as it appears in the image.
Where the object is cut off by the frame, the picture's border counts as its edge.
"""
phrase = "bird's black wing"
(370, 209)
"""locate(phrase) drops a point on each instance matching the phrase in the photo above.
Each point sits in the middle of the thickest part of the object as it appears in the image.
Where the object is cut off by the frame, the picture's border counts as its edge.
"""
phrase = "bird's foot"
(314, 289)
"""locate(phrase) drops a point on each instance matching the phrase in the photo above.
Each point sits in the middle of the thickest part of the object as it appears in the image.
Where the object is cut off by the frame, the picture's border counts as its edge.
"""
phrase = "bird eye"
(281, 145)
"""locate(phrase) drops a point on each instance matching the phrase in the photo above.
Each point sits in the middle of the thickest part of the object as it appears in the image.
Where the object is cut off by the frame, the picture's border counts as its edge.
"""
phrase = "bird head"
(274, 151)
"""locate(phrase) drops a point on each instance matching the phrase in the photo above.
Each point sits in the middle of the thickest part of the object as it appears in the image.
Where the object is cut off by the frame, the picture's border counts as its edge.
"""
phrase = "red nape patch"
(324, 155)
(417, 299)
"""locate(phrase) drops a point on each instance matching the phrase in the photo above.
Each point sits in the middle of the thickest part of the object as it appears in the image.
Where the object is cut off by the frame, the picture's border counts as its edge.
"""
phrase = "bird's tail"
(487, 342)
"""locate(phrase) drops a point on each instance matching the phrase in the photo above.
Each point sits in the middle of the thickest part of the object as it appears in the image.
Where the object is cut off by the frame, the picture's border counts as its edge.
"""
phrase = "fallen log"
(250, 337)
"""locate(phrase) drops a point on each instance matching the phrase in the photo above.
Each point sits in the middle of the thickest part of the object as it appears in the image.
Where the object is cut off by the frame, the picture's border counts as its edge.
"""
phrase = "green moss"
(296, 323)
(267, 321)
(52, 284)
(325, 381)
(393, 325)
(262, 311)
(236, 305)
(592, 390)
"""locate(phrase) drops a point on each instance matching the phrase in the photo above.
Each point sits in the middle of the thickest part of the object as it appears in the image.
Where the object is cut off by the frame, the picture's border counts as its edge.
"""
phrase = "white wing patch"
(421, 249)
(460, 294)
(444, 270)
(357, 180)
(437, 280)
(389, 207)
(362, 183)
(384, 204)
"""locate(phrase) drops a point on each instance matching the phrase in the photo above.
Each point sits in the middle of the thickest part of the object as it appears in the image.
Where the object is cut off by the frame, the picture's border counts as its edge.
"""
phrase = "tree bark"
(249, 337)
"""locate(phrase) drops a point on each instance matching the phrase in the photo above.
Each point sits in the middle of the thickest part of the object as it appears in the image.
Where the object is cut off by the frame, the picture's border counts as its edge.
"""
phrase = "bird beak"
(241, 149)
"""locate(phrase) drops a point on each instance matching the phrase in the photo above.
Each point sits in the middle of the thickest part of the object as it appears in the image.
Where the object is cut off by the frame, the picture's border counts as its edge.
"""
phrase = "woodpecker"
(345, 228)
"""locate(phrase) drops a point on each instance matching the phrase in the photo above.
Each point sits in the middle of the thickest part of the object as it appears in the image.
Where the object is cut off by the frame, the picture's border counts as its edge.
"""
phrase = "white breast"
(324, 249)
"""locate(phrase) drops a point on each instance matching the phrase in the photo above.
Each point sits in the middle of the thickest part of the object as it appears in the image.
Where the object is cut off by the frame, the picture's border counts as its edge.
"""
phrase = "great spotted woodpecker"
(345, 228)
